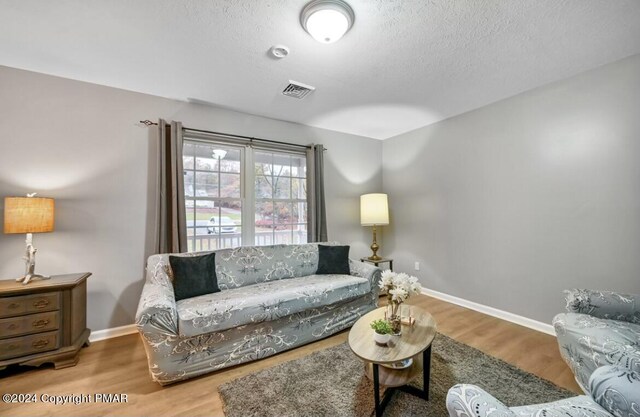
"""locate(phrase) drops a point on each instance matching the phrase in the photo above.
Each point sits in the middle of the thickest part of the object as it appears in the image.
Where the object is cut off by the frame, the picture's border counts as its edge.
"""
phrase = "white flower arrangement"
(399, 286)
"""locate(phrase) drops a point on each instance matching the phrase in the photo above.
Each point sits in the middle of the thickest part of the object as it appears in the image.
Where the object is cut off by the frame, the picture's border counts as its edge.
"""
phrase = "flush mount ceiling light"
(327, 20)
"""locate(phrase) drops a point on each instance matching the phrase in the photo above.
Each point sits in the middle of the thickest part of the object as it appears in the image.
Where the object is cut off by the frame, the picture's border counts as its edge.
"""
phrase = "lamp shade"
(28, 214)
(374, 209)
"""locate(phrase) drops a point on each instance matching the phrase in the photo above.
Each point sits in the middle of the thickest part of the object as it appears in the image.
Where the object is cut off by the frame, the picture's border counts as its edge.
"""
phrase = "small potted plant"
(381, 331)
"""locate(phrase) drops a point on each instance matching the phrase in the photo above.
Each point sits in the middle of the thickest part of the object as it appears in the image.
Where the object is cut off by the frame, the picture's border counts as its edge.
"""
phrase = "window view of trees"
(280, 197)
(217, 211)
(212, 185)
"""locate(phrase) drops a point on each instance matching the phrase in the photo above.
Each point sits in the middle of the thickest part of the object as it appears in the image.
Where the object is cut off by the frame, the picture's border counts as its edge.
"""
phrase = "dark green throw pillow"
(333, 260)
(194, 275)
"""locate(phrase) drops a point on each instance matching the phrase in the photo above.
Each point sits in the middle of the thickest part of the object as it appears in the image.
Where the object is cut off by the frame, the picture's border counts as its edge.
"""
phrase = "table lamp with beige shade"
(374, 211)
(29, 215)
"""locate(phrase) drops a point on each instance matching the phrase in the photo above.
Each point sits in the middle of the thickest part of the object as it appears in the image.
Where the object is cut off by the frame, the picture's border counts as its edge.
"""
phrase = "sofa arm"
(471, 401)
(157, 312)
(604, 304)
(368, 271)
(616, 389)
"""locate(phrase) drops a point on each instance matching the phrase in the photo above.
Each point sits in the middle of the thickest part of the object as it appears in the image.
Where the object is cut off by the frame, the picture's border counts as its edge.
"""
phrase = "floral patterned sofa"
(599, 338)
(600, 328)
(270, 301)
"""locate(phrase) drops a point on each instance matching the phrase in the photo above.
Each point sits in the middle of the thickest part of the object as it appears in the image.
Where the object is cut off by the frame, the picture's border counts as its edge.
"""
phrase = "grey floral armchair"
(599, 337)
(600, 328)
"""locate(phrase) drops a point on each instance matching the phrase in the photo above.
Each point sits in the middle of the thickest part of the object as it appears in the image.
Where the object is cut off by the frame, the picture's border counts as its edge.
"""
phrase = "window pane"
(206, 164)
(298, 166)
(264, 212)
(231, 161)
(189, 184)
(187, 162)
(299, 213)
(263, 237)
(263, 162)
(206, 184)
(283, 235)
(201, 231)
(298, 189)
(282, 187)
(282, 212)
(231, 212)
(300, 233)
(230, 185)
(263, 186)
(282, 164)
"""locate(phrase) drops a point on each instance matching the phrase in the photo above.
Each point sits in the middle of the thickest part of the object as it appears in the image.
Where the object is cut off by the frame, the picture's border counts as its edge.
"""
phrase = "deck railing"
(200, 243)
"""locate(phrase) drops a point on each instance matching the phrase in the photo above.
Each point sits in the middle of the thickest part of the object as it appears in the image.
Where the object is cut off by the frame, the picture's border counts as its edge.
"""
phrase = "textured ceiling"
(404, 64)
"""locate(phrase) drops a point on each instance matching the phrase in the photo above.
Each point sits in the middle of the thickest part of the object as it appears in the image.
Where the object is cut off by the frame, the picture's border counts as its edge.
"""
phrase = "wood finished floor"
(119, 365)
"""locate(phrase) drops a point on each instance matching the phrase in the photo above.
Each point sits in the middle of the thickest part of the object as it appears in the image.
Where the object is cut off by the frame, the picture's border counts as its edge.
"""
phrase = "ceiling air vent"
(297, 90)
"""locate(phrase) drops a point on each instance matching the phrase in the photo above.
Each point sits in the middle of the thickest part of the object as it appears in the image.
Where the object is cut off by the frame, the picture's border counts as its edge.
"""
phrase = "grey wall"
(79, 143)
(510, 204)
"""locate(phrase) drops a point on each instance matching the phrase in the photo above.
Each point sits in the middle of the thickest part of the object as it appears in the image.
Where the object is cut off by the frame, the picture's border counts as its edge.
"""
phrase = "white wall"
(80, 143)
(510, 204)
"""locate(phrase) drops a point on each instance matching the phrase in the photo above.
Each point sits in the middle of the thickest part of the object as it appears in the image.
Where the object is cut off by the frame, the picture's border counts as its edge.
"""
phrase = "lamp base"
(31, 277)
(374, 247)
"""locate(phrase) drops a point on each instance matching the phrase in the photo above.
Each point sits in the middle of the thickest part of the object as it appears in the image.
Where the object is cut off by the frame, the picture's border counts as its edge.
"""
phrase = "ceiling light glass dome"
(327, 20)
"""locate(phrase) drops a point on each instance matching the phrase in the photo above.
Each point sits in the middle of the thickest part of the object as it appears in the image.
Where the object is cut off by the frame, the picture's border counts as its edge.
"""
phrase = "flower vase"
(393, 316)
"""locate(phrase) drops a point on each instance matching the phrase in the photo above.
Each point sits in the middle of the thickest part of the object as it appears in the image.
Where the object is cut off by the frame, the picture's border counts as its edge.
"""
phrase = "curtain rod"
(249, 138)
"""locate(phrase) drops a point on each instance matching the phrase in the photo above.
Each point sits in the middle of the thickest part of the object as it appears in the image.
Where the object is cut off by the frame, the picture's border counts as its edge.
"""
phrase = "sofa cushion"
(248, 265)
(587, 343)
(265, 301)
(193, 275)
(333, 260)
(617, 389)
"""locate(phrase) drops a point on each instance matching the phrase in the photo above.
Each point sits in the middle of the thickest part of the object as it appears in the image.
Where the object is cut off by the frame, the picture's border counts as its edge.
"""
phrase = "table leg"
(376, 390)
(426, 371)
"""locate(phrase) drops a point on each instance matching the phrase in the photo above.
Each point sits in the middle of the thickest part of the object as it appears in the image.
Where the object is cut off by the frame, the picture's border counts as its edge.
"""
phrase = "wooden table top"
(13, 287)
(413, 340)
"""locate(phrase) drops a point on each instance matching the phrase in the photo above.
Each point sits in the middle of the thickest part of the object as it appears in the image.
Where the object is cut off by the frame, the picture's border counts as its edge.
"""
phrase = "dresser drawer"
(32, 323)
(26, 304)
(26, 345)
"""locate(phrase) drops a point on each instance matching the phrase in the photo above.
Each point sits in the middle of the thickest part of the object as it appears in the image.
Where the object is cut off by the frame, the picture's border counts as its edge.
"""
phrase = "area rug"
(331, 382)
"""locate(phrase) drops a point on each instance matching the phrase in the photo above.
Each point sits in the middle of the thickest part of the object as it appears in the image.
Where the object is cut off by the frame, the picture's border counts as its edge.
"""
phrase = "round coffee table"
(414, 343)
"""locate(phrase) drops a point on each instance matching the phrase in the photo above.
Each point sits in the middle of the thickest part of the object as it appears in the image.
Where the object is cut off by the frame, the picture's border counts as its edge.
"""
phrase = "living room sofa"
(599, 338)
(271, 300)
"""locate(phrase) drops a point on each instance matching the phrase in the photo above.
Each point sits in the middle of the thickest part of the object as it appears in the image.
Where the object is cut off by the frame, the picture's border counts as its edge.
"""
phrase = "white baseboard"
(504, 315)
(113, 332)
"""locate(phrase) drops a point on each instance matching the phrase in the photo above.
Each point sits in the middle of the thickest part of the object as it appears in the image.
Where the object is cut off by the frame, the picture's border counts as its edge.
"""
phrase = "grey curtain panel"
(172, 227)
(317, 214)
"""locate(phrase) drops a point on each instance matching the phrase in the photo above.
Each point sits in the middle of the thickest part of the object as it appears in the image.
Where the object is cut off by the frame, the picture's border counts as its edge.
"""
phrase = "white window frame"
(247, 179)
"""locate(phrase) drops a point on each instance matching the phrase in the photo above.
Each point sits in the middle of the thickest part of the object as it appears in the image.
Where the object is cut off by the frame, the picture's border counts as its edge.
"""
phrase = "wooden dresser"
(43, 321)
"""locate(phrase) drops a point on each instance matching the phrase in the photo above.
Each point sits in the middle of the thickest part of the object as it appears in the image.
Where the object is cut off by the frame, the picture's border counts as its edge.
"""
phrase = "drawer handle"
(40, 323)
(41, 303)
(39, 344)
(13, 306)
(12, 326)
